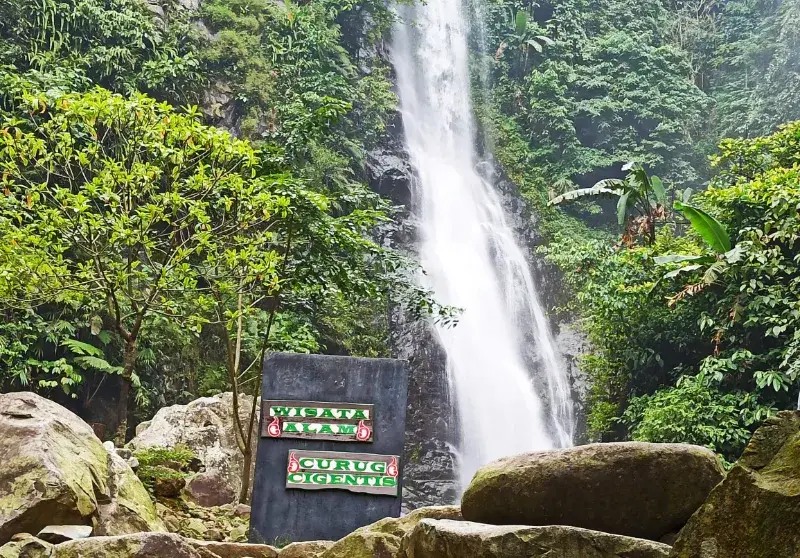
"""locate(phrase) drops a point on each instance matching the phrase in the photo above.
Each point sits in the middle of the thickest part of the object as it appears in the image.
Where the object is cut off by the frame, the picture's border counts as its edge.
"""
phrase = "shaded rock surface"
(364, 544)
(56, 471)
(234, 550)
(309, 549)
(139, 545)
(627, 488)
(206, 426)
(25, 546)
(55, 534)
(450, 539)
(755, 511)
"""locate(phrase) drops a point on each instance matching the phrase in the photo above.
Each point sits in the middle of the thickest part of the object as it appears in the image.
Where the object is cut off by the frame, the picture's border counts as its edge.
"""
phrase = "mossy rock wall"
(755, 511)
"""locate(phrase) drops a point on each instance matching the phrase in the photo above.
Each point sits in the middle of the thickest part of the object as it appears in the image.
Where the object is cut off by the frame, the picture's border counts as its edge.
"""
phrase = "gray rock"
(308, 549)
(755, 511)
(450, 539)
(109, 445)
(241, 510)
(383, 538)
(133, 463)
(139, 545)
(25, 545)
(128, 509)
(628, 488)
(156, 10)
(124, 453)
(142, 426)
(56, 471)
(55, 534)
(209, 489)
(235, 550)
(206, 427)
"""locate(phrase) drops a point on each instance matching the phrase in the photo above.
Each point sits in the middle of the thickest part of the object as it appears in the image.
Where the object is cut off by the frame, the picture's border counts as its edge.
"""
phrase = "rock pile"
(206, 427)
(82, 500)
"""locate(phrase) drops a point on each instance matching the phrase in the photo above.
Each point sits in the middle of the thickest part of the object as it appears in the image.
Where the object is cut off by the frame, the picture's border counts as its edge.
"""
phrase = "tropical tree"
(717, 241)
(640, 197)
(113, 204)
(522, 39)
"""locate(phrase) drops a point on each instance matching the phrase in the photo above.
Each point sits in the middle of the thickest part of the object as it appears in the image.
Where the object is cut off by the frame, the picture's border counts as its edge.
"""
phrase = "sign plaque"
(366, 473)
(312, 420)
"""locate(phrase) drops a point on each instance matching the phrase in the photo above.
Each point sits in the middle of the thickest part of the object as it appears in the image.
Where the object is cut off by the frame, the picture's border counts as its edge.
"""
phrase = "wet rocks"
(628, 488)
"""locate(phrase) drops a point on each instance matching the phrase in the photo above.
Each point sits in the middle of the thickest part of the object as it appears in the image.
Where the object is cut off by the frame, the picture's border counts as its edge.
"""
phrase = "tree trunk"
(129, 360)
(122, 413)
(244, 493)
(248, 451)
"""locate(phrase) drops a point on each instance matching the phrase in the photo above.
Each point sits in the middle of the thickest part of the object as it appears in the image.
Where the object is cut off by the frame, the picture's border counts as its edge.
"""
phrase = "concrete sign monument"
(332, 433)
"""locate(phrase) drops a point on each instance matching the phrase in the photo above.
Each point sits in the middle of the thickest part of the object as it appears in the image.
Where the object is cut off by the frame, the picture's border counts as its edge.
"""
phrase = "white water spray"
(502, 352)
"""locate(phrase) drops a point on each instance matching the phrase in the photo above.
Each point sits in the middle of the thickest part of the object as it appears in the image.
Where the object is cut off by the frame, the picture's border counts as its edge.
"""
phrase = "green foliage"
(611, 89)
(706, 354)
(638, 344)
(116, 43)
(163, 463)
(695, 413)
(640, 201)
(712, 231)
(755, 69)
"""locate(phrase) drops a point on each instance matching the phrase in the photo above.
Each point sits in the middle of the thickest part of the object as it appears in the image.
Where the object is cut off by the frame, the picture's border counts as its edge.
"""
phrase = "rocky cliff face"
(432, 428)
(429, 477)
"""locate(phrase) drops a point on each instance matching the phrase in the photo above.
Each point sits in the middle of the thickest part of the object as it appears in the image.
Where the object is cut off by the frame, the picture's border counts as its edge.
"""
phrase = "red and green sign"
(341, 422)
(357, 472)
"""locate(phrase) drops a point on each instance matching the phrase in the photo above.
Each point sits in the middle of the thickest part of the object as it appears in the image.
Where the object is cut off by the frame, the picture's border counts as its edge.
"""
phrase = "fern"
(81, 348)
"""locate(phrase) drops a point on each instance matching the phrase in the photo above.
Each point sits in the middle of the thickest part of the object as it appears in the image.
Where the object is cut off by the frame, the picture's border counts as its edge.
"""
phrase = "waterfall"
(505, 372)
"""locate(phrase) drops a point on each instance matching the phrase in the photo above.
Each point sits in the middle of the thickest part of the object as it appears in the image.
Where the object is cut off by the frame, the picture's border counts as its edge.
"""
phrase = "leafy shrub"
(695, 413)
(163, 463)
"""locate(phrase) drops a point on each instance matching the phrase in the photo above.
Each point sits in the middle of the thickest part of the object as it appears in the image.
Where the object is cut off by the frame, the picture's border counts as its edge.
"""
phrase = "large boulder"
(448, 539)
(140, 545)
(25, 545)
(234, 550)
(755, 511)
(383, 538)
(632, 488)
(56, 471)
(206, 426)
(307, 549)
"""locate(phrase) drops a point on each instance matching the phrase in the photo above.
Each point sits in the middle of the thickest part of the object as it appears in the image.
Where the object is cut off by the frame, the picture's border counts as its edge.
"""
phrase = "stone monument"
(331, 445)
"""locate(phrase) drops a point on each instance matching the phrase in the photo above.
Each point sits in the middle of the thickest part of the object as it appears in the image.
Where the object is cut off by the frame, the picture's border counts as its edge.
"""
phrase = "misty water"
(505, 372)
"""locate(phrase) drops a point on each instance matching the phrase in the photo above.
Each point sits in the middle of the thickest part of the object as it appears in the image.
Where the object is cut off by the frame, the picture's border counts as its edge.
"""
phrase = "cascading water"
(501, 355)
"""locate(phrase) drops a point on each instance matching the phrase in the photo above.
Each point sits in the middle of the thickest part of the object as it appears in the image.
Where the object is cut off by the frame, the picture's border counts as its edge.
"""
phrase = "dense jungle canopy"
(184, 188)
